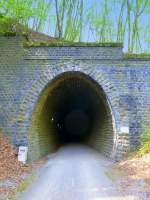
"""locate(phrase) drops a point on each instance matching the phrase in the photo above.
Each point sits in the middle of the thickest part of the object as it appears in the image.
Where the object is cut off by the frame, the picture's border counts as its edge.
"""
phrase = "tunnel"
(72, 108)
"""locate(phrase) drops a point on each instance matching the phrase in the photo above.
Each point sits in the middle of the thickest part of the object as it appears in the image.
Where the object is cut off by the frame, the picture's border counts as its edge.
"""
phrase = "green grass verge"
(22, 187)
(137, 56)
(145, 143)
(60, 42)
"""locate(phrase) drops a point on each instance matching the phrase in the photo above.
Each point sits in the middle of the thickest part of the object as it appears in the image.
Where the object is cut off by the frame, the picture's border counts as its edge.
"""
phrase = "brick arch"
(37, 88)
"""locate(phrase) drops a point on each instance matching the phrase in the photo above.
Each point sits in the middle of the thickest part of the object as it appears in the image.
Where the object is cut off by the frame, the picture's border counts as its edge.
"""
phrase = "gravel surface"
(75, 172)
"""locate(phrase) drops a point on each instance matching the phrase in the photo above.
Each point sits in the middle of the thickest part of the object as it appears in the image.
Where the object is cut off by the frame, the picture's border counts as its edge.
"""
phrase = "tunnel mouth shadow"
(72, 108)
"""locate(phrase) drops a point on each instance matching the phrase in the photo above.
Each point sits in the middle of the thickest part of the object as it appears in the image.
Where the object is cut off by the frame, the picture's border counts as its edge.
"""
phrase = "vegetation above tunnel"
(81, 20)
(10, 27)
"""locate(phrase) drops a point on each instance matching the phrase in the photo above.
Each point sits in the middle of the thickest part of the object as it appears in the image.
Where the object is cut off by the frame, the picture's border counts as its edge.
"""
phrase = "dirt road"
(75, 172)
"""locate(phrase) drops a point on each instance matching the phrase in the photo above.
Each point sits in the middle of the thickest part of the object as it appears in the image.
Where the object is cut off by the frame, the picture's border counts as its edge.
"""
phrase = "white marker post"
(22, 154)
(124, 129)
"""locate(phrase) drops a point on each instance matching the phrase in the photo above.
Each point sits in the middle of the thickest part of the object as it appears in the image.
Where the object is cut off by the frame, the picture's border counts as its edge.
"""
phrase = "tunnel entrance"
(72, 109)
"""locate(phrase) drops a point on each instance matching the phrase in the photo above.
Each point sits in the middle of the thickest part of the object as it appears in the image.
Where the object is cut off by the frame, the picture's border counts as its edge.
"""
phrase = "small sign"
(22, 154)
(124, 129)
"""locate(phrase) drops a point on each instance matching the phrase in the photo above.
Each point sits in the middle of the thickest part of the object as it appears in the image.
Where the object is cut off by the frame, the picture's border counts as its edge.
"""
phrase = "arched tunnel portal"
(73, 108)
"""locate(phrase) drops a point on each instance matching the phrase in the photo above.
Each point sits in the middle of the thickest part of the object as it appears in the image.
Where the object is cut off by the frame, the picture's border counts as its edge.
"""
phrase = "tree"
(105, 20)
(100, 22)
(121, 22)
(27, 12)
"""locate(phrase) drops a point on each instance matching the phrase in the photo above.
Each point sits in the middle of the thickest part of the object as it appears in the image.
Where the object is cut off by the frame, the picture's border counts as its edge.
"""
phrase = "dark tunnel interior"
(73, 109)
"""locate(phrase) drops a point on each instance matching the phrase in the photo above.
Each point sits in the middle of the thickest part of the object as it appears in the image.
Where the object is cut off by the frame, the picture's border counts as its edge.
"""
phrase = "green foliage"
(69, 19)
(26, 12)
(76, 21)
(10, 26)
(18, 9)
(100, 22)
(145, 142)
(138, 56)
(61, 42)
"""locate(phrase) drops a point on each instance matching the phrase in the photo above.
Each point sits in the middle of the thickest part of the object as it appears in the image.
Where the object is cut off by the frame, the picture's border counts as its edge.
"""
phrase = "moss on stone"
(11, 27)
(137, 56)
(7, 33)
(69, 43)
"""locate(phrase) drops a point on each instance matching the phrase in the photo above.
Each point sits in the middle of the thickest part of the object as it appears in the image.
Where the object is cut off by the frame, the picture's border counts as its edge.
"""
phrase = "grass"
(11, 27)
(137, 56)
(22, 187)
(69, 43)
(145, 143)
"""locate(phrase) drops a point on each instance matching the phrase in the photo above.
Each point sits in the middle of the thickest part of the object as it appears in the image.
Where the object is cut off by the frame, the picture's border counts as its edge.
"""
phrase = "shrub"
(10, 26)
(145, 142)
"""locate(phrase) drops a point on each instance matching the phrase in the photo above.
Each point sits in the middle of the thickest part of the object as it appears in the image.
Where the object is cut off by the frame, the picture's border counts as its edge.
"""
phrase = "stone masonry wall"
(24, 72)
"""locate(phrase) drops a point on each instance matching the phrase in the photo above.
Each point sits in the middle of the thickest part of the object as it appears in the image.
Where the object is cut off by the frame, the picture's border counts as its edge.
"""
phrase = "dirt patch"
(13, 174)
(133, 176)
(10, 167)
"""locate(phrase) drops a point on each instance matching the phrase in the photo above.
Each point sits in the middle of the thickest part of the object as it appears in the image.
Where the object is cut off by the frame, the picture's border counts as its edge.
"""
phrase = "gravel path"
(74, 173)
